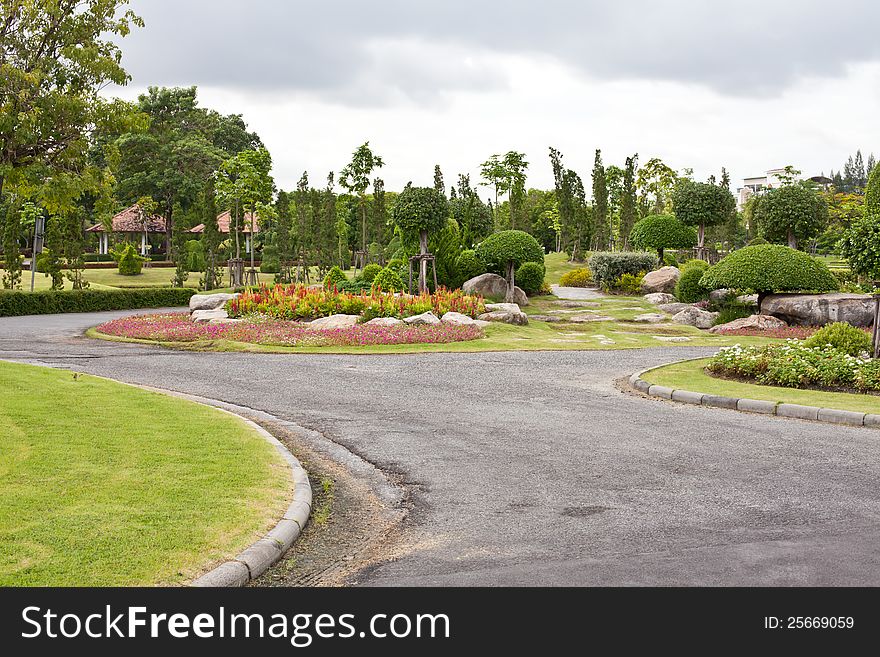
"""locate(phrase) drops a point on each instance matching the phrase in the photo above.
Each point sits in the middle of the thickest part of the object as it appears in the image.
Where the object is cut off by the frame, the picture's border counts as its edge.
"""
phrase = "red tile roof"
(129, 221)
(223, 221)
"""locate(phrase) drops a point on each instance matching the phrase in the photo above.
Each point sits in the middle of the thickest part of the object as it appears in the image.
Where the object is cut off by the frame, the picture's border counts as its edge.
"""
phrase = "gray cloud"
(389, 51)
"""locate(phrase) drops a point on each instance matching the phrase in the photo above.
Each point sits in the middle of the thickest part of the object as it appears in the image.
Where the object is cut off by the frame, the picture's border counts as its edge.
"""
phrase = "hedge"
(46, 302)
(607, 268)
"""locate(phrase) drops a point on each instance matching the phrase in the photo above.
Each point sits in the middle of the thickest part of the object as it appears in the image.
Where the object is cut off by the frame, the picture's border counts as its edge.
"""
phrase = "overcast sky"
(750, 85)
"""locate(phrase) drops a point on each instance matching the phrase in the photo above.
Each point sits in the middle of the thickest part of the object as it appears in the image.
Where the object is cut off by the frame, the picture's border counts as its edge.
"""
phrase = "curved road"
(532, 468)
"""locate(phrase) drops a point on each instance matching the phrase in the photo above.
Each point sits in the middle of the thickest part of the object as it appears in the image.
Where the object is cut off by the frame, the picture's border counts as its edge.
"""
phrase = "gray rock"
(586, 319)
(821, 309)
(660, 298)
(334, 322)
(756, 406)
(519, 318)
(798, 411)
(564, 303)
(456, 318)
(841, 417)
(493, 286)
(209, 301)
(702, 319)
(720, 296)
(661, 280)
(385, 321)
(673, 308)
(208, 315)
(546, 318)
(748, 299)
(650, 318)
(424, 318)
(688, 397)
(503, 307)
(753, 322)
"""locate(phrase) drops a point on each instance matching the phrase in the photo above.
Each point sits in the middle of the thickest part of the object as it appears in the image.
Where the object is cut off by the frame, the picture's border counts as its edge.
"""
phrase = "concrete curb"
(810, 413)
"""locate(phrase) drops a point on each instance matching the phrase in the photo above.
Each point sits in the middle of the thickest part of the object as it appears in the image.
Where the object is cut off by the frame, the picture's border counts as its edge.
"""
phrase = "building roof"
(129, 221)
(224, 220)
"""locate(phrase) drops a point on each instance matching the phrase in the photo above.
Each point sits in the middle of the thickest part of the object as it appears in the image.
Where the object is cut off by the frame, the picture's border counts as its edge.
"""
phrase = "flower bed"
(177, 327)
(795, 365)
(301, 302)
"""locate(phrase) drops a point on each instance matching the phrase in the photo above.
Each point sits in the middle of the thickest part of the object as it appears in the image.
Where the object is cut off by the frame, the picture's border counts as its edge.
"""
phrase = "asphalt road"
(532, 468)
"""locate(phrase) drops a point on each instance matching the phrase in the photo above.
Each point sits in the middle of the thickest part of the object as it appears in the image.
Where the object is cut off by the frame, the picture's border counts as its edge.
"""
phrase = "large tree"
(601, 213)
(655, 182)
(629, 212)
(790, 213)
(355, 177)
(701, 205)
(421, 211)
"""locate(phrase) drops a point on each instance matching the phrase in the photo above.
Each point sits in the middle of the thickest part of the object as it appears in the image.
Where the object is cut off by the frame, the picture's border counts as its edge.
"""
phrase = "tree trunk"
(364, 228)
(233, 225)
(253, 241)
(792, 240)
(511, 283)
(423, 264)
(660, 256)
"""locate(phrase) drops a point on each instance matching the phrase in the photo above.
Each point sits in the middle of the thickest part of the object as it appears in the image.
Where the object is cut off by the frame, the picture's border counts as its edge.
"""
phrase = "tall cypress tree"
(600, 202)
(211, 239)
(628, 200)
(438, 180)
(285, 237)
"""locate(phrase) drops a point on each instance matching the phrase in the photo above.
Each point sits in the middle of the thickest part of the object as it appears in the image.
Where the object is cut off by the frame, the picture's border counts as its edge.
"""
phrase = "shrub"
(581, 277)
(689, 289)
(354, 287)
(758, 241)
(731, 310)
(335, 277)
(128, 260)
(195, 255)
(469, 265)
(530, 277)
(769, 268)
(271, 261)
(843, 337)
(607, 268)
(369, 272)
(83, 301)
(508, 247)
(388, 280)
(629, 284)
(662, 231)
(669, 260)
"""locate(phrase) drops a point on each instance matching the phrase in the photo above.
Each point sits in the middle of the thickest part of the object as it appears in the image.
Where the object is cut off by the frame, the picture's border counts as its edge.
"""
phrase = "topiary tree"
(128, 260)
(530, 277)
(335, 277)
(421, 210)
(370, 271)
(387, 280)
(860, 244)
(662, 231)
(769, 268)
(506, 251)
(790, 213)
(702, 204)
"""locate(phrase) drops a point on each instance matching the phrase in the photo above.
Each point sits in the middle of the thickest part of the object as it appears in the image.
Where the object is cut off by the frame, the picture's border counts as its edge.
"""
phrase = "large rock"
(754, 323)
(493, 286)
(660, 298)
(821, 309)
(673, 308)
(425, 318)
(702, 319)
(385, 321)
(334, 322)
(456, 318)
(209, 301)
(519, 318)
(661, 280)
(208, 315)
(551, 319)
(503, 307)
(722, 295)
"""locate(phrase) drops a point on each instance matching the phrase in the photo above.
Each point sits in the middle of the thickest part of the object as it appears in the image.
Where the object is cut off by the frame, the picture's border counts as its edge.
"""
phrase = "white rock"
(753, 322)
(660, 298)
(456, 318)
(503, 307)
(695, 317)
(661, 280)
(385, 321)
(424, 318)
(334, 322)
(208, 315)
(650, 318)
(209, 301)
(519, 319)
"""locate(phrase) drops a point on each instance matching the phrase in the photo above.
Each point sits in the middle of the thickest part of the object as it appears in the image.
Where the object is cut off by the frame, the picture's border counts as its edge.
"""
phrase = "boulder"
(748, 299)
(564, 303)
(821, 309)
(673, 308)
(334, 322)
(424, 318)
(456, 318)
(702, 319)
(493, 286)
(385, 321)
(546, 318)
(722, 295)
(481, 323)
(755, 323)
(586, 319)
(209, 301)
(518, 318)
(660, 298)
(650, 318)
(208, 315)
(661, 280)
(503, 307)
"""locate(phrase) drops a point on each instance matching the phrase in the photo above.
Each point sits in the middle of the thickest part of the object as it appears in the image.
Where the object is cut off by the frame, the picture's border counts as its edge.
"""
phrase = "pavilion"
(224, 221)
(129, 224)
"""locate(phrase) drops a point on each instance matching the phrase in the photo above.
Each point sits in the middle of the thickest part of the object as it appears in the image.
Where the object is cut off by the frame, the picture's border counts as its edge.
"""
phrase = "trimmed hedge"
(607, 268)
(688, 289)
(45, 302)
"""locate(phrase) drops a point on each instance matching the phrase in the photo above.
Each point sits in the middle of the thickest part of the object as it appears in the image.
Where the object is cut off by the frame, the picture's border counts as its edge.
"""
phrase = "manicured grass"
(691, 375)
(106, 484)
(557, 265)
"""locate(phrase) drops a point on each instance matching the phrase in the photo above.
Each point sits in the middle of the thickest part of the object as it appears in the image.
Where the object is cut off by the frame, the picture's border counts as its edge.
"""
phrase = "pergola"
(129, 223)
(224, 222)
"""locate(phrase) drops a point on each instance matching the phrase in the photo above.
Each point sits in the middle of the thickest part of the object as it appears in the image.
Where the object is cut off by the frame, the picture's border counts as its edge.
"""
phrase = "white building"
(757, 184)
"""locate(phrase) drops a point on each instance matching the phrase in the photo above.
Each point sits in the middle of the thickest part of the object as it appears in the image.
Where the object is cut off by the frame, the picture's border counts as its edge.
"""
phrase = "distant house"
(130, 224)
(224, 221)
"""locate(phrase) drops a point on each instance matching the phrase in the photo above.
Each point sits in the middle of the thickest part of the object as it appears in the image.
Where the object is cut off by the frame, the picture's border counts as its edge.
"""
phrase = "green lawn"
(557, 265)
(691, 375)
(105, 484)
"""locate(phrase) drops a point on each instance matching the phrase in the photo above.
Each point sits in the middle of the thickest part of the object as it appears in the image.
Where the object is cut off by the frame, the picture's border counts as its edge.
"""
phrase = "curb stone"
(762, 406)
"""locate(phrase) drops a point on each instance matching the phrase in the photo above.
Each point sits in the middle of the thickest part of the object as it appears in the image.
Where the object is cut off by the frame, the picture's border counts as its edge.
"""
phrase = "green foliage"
(669, 260)
(473, 216)
(860, 245)
(607, 268)
(582, 277)
(270, 263)
(790, 213)
(420, 208)
(369, 272)
(872, 194)
(469, 266)
(758, 241)
(11, 253)
(662, 231)
(769, 268)
(629, 284)
(843, 337)
(195, 255)
(388, 280)
(530, 277)
(509, 246)
(83, 301)
(688, 289)
(335, 277)
(733, 309)
(127, 258)
(702, 204)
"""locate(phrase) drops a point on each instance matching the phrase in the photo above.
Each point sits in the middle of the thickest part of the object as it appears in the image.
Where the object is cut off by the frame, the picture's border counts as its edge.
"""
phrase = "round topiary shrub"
(758, 241)
(505, 251)
(577, 278)
(769, 268)
(843, 337)
(530, 277)
(689, 289)
(335, 277)
(469, 265)
(387, 280)
(370, 272)
(129, 261)
(662, 231)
